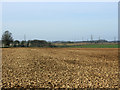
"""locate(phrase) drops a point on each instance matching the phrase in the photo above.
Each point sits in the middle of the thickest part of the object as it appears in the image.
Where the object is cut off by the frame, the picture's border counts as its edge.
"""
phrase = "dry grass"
(60, 68)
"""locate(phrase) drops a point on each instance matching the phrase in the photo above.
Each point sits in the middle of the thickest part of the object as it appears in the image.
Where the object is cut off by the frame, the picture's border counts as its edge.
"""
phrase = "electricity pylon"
(91, 38)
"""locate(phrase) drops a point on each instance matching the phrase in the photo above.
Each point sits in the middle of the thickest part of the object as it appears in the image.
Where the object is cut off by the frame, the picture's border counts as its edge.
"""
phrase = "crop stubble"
(60, 68)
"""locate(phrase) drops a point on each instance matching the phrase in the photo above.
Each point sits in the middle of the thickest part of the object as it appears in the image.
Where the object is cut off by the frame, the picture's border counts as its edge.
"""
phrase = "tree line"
(8, 41)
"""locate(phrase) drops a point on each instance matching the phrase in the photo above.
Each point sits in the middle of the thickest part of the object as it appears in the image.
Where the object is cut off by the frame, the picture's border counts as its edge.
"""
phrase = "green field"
(91, 46)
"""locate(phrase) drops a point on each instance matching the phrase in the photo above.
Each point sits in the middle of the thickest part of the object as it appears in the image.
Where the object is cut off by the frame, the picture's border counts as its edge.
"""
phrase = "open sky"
(53, 21)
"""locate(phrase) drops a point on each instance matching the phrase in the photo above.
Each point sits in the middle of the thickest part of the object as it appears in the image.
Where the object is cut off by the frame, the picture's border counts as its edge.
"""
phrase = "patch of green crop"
(91, 46)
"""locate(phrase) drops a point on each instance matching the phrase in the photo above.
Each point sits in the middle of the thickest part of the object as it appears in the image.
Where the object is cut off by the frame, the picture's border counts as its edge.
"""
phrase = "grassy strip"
(91, 46)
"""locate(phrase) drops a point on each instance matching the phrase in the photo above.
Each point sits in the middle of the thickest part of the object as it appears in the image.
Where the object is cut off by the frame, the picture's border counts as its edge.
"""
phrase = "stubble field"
(60, 68)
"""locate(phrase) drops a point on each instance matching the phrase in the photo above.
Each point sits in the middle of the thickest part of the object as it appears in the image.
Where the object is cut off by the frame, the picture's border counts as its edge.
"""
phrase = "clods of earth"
(60, 68)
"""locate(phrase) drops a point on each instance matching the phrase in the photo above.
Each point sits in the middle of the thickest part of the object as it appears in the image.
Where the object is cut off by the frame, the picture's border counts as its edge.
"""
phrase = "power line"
(99, 38)
(114, 38)
(25, 40)
(82, 38)
(91, 37)
(24, 37)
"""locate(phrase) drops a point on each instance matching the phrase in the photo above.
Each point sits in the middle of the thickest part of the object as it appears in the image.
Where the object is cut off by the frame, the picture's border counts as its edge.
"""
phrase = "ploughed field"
(60, 68)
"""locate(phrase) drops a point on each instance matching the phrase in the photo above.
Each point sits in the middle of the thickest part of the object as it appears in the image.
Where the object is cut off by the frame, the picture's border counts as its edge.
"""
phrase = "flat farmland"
(60, 67)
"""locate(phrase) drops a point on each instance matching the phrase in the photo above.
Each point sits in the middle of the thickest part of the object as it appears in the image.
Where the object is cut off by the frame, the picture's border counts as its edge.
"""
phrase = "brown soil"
(59, 68)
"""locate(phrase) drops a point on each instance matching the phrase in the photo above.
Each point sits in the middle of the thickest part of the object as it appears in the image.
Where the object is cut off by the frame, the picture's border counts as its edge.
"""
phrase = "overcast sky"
(61, 20)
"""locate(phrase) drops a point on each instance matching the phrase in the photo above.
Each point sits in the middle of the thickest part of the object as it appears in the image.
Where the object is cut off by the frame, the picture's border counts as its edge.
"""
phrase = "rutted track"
(60, 68)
